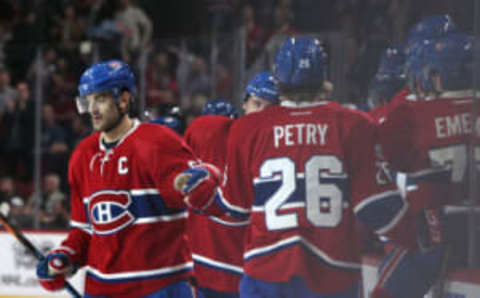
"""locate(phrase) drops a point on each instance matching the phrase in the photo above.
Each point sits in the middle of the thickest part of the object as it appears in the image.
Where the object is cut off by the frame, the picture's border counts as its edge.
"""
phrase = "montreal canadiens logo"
(108, 211)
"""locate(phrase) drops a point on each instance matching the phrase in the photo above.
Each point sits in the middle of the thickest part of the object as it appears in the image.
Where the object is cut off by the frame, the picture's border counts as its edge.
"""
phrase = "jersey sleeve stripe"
(285, 206)
(229, 223)
(235, 211)
(382, 212)
(391, 265)
(204, 261)
(81, 226)
(146, 191)
(298, 240)
(138, 275)
(164, 218)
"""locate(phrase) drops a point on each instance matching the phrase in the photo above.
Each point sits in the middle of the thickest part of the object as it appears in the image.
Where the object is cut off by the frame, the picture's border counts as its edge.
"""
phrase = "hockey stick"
(29, 245)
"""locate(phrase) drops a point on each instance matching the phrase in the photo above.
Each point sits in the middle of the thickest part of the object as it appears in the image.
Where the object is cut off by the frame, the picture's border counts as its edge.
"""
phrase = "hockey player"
(261, 92)
(220, 107)
(428, 140)
(128, 222)
(396, 78)
(217, 242)
(387, 82)
(301, 171)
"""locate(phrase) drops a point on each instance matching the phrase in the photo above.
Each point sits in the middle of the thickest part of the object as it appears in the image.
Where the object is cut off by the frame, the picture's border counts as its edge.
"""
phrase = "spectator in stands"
(7, 92)
(199, 80)
(73, 29)
(136, 27)
(49, 67)
(12, 205)
(63, 85)
(160, 83)
(80, 128)
(20, 50)
(54, 212)
(5, 36)
(19, 123)
(224, 82)
(7, 189)
(256, 34)
(281, 28)
(54, 142)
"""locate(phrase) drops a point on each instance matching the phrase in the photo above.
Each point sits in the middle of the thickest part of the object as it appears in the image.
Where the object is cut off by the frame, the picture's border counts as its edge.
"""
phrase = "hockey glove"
(52, 270)
(198, 184)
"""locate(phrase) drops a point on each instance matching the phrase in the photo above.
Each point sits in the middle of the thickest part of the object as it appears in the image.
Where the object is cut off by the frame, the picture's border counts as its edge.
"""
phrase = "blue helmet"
(392, 64)
(390, 76)
(263, 86)
(300, 64)
(113, 75)
(221, 107)
(451, 57)
(169, 121)
(414, 62)
(431, 27)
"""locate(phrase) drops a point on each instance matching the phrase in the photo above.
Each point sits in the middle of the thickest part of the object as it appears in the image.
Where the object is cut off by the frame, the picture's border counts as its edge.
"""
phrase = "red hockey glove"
(52, 270)
(198, 184)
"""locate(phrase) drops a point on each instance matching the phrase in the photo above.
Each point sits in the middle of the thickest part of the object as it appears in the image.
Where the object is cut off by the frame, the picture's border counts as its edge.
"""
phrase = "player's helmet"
(390, 77)
(221, 107)
(263, 85)
(392, 63)
(113, 75)
(300, 64)
(451, 57)
(431, 27)
(414, 62)
(169, 121)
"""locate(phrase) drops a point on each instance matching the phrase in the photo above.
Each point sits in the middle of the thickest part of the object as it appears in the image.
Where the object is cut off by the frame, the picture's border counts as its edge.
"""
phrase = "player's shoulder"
(154, 133)
(403, 108)
(243, 128)
(88, 144)
(209, 121)
(351, 116)
(255, 119)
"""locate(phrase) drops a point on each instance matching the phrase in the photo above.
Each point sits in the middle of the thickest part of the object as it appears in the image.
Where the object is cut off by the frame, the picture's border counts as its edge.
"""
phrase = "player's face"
(103, 111)
(254, 104)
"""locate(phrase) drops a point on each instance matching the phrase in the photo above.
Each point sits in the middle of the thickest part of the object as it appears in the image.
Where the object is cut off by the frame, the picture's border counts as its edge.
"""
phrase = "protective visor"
(82, 104)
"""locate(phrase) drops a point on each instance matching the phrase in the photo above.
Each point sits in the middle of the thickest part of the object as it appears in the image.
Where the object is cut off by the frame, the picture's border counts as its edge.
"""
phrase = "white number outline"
(315, 190)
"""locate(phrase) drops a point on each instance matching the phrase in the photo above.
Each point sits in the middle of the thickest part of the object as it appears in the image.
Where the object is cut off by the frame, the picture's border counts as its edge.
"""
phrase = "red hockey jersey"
(128, 221)
(301, 174)
(217, 243)
(429, 140)
(378, 114)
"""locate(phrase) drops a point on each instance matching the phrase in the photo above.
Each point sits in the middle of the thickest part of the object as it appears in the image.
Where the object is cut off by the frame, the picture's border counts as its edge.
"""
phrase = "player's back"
(207, 136)
(301, 161)
(428, 139)
(216, 242)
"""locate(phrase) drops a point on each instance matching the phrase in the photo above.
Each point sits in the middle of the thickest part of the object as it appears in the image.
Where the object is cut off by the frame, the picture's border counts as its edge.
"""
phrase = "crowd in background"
(72, 34)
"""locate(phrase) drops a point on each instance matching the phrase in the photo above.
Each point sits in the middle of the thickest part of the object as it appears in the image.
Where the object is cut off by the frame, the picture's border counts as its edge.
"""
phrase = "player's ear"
(124, 100)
